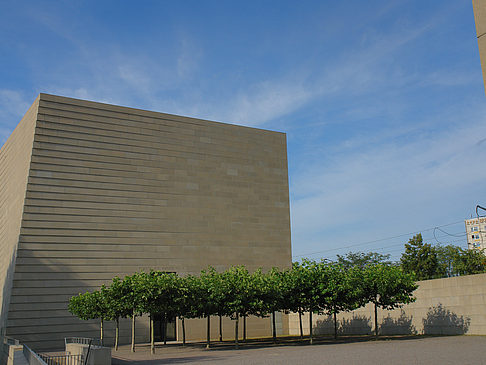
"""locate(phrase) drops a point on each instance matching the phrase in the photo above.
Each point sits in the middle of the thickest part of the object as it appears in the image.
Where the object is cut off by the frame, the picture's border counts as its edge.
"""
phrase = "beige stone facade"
(91, 190)
(479, 7)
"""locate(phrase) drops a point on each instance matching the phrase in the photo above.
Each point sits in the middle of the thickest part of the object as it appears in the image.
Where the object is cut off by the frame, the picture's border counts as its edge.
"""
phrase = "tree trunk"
(183, 332)
(335, 324)
(310, 327)
(117, 332)
(244, 328)
(300, 324)
(101, 332)
(165, 329)
(133, 333)
(376, 321)
(274, 329)
(208, 331)
(152, 344)
(236, 331)
(220, 328)
(150, 327)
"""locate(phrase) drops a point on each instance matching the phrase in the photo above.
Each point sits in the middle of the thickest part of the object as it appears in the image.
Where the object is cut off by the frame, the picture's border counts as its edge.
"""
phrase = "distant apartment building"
(476, 233)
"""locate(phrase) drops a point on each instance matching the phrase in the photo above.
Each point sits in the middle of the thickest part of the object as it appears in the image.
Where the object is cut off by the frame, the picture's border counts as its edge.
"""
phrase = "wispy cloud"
(355, 71)
(13, 105)
(266, 101)
(156, 81)
(448, 78)
(401, 178)
(188, 56)
(13, 102)
(369, 141)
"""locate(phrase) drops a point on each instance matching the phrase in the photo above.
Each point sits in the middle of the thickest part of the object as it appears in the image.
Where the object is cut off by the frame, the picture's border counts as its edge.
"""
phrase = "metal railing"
(10, 341)
(62, 359)
(31, 357)
(34, 358)
(83, 341)
(5, 344)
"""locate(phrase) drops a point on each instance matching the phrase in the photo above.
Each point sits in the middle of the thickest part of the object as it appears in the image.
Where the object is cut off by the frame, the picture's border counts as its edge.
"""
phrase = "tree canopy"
(310, 286)
(426, 261)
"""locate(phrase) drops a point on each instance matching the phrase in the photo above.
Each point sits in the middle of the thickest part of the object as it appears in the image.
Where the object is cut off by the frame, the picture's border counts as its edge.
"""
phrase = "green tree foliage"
(361, 259)
(294, 291)
(470, 262)
(271, 295)
(241, 295)
(219, 297)
(310, 286)
(160, 293)
(420, 258)
(149, 297)
(92, 305)
(339, 289)
(187, 304)
(169, 301)
(120, 303)
(79, 306)
(208, 287)
(313, 286)
(387, 287)
(132, 300)
(447, 257)
(429, 262)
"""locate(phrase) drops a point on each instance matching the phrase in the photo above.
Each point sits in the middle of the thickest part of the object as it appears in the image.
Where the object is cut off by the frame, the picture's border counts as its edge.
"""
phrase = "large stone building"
(479, 7)
(90, 191)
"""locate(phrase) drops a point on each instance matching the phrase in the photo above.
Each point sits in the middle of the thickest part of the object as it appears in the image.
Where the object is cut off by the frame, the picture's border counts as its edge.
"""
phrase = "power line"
(392, 252)
(378, 240)
(401, 249)
(449, 234)
(462, 234)
(401, 244)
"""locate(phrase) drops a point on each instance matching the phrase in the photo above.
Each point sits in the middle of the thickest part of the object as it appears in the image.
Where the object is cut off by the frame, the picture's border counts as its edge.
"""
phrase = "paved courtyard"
(360, 350)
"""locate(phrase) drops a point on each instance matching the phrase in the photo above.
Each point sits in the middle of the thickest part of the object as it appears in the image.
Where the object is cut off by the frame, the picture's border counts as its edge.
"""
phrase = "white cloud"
(268, 100)
(448, 78)
(356, 71)
(189, 55)
(429, 177)
(160, 82)
(387, 174)
(13, 105)
(135, 77)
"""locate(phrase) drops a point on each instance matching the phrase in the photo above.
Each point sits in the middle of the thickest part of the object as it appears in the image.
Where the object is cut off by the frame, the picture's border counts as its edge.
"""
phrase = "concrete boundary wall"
(444, 306)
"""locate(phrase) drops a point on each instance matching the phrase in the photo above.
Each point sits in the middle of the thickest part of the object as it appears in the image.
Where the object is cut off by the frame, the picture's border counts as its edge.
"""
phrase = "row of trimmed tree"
(314, 287)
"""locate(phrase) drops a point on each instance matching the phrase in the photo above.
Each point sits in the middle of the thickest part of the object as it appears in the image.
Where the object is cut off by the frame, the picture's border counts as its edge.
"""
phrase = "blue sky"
(383, 102)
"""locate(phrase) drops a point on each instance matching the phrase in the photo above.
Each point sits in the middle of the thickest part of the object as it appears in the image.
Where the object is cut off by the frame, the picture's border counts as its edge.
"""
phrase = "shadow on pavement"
(229, 345)
(168, 360)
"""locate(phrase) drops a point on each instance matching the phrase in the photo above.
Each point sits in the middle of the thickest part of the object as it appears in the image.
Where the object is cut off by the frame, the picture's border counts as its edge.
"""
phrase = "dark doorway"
(160, 328)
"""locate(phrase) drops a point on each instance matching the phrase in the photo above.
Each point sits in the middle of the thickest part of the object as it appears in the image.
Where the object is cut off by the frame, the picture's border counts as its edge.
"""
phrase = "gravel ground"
(360, 350)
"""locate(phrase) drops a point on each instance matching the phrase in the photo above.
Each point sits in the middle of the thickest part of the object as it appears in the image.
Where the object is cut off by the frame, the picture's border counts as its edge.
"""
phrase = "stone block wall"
(100, 191)
(444, 306)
